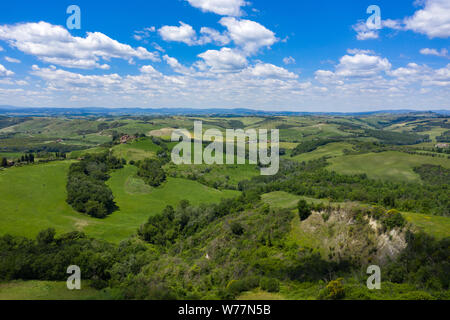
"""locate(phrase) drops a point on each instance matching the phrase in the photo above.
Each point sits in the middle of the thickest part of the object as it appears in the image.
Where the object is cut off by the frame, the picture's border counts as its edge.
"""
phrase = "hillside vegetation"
(102, 193)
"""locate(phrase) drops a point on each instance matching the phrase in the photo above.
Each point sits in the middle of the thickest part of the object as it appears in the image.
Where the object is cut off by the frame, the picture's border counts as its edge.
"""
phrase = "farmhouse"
(125, 138)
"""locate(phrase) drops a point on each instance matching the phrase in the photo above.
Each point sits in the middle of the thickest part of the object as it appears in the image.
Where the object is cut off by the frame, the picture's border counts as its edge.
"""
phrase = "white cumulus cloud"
(184, 33)
(288, 60)
(12, 60)
(221, 7)
(223, 60)
(5, 72)
(55, 45)
(434, 52)
(249, 35)
(363, 32)
(267, 70)
(433, 20)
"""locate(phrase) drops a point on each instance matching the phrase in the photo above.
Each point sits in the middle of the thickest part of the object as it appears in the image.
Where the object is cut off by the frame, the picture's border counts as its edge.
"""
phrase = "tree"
(237, 229)
(152, 172)
(304, 210)
(96, 209)
(46, 236)
(270, 284)
(393, 219)
(335, 289)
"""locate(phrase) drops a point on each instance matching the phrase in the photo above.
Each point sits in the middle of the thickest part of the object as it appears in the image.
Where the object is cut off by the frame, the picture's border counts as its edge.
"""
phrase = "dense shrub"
(304, 210)
(270, 284)
(236, 228)
(393, 219)
(334, 290)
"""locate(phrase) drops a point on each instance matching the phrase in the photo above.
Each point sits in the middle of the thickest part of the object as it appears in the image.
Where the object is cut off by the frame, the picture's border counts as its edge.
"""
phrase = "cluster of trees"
(425, 263)
(308, 146)
(11, 121)
(109, 125)
(165, 228)
(444, 137)
(151, 171)
(435, 175)
(360, 147)
(397, 138)
(26, 158)
(164, 153)
(313, 180)
(213, 251)
(47, 257)
(54, 147)
(87, 191)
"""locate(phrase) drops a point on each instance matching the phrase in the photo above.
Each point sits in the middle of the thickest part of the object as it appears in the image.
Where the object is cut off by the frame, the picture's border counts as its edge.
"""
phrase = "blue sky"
(271, 55)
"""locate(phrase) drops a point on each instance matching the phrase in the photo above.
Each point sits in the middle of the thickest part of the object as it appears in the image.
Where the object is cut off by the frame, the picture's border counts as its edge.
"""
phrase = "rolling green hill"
(230, 250)
(33, 198)
(390, 165)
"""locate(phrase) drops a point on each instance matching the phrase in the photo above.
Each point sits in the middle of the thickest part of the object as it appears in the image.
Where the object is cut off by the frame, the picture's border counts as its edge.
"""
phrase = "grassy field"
(11, 155)
(79, 153)
(335, 149)
(136, 150)
(259, 294)
(47, 290)
(33, 198)
(390, 165)
(436, 226)
(281, 199)
(220, 174)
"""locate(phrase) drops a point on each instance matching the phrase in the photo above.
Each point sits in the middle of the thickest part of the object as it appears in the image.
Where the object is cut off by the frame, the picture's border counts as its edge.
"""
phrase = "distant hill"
(93, 111)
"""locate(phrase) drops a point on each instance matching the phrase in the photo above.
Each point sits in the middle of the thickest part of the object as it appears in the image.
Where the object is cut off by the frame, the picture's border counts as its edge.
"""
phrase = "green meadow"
(136, 150)
(48, 290)
(437, 226)
(335, 149)
(33, 198)
(390, 165)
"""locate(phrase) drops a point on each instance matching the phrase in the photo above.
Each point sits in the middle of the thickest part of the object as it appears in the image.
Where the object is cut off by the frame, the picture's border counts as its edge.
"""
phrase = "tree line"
(312, 179)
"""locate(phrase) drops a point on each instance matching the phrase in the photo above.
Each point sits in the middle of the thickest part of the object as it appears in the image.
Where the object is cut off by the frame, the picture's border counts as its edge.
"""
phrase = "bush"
(46, 236)
(335, 290)
(393, 219)
(304, 210)
(237, 229)
(270, 284)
